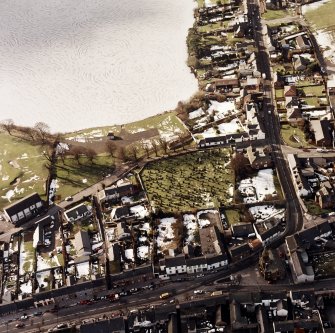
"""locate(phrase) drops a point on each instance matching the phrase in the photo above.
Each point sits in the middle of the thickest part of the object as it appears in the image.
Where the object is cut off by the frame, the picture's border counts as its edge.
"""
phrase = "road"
(294, 218)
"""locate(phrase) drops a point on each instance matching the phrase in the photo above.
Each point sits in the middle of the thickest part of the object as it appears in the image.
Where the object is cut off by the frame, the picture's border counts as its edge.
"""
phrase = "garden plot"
(324, 264)
(202, 219)
(188, 182)
(26, 287)
(21, 169)
(27, 253)
(44, 279)
(259, 187)
(139, 211)
(265, 212)
(83, 270)
(231, 127)
(222, 110)
(166, 234)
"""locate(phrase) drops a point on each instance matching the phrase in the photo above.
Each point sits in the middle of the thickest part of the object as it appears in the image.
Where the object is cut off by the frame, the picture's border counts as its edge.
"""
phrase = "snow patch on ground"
(26, 288)
(143, 252)
(129, 254)
(83, 269)
(165, 231)
(139, 211)
(255, 189)
(262, 213)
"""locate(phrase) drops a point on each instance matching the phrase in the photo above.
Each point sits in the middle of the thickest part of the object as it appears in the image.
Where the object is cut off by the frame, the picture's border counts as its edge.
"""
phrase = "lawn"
(314, 208)
(274, 14)
(188, 182)
(293, 136)
(212, 26)
(22, 169)
(323, 16)
(318, 91)
(73, 177)
(27, 253)
(233, 216)
(279, 93)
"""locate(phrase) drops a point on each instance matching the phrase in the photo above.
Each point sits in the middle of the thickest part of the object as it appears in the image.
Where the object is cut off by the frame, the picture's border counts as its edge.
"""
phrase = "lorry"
(216, 293)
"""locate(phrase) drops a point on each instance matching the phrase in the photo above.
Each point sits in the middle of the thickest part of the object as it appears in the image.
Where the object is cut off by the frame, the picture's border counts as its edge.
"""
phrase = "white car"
(198, 291)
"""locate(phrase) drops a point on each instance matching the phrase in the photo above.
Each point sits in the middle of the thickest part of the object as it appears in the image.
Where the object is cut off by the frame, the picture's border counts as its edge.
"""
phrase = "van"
(164, 295)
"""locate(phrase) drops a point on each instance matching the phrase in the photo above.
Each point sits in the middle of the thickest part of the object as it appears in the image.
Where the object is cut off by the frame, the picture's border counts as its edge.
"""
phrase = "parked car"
(20, 325)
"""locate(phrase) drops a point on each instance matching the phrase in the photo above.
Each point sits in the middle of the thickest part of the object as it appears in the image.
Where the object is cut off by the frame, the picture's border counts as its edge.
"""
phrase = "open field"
(274, 14)
(73, 177)
(322, 17)
(188, 182)
(21, 169)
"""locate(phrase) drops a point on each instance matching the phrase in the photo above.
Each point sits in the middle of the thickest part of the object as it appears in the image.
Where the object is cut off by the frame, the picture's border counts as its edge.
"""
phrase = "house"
(226, 85)
(216, 261)
(304, 300)
(331, 87)
(110, 136)
(300, 63)
(116, 192)
(298, 259)
(196, 265)
(78, 213)
(325, 196)
(24, 210)
(290, 91)
(266, 234)
(240, 252)
(303, 43)
(242, 229)
(113, 325)
(210, 241)
(173, 265)
(120, 212)
(122, 230)
(323, 132)
(224, 139)
(82, 243)
(259, 157)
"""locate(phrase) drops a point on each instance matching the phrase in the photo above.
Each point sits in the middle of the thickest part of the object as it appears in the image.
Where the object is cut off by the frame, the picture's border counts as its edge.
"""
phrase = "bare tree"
(43, 131)
(90, 154)
(163, 144)
(77, 152)
(154, 146)
(29, 132)
(146, 148)
(122, 154)
(7, 125)
(239, 164)
(111, 148)
(133, 152)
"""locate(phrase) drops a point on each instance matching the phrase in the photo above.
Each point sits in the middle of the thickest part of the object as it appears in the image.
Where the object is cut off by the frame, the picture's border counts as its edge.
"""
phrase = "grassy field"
(322, 17)
(189, 182)
(166, 124)
(73, 177)
(274, 14)
(289, 132)
(22, 169)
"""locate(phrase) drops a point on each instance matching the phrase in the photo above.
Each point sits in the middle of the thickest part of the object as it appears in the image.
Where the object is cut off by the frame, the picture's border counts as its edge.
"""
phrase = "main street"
(294, 218)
